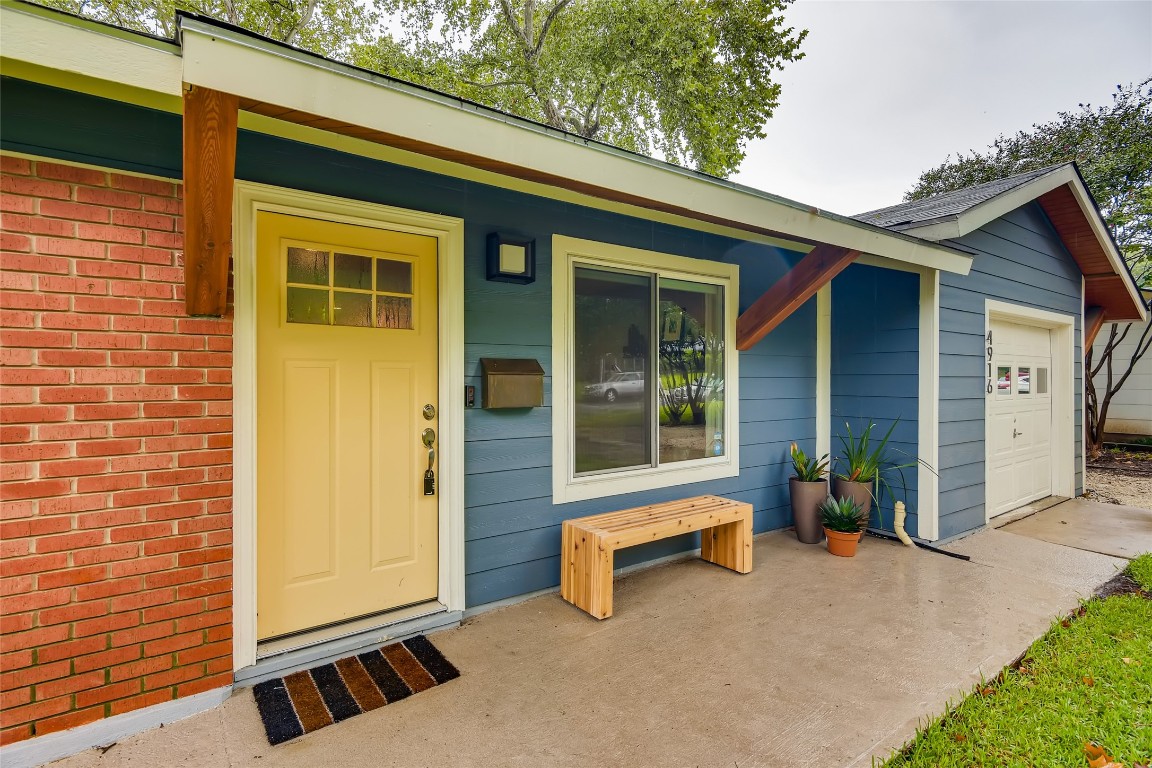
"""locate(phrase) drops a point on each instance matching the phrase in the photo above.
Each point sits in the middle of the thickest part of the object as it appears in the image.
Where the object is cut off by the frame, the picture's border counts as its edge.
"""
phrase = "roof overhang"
(1068, 204)
(288, 84)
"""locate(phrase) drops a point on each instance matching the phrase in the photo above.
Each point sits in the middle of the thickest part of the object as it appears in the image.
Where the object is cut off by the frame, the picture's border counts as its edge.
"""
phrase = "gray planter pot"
(861, 493)
(806, 498)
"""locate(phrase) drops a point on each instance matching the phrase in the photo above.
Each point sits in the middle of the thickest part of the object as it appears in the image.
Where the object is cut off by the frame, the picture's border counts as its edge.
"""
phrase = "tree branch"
(551, 17)
(510, 17)
(302, 22)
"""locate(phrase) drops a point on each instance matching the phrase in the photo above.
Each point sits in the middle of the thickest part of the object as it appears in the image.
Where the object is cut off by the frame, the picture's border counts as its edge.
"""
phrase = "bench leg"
(729, 545)
(586, 572)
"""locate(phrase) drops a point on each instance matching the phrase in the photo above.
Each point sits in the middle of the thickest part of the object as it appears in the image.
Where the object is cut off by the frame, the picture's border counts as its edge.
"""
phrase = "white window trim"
(565, 486)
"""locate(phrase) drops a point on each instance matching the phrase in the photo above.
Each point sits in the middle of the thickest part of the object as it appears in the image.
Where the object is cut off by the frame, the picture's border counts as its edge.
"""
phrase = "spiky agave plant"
(840, 515)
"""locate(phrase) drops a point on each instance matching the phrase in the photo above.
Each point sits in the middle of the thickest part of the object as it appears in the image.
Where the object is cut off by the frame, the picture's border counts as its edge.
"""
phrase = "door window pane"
(1023, 380)
(350, 271)
(352, 309)
(691, 394)
(308, 305)
(393, 312)
(611, 336)
(309, 266)
(1041, 381)
(393, 276)
(1003, 380)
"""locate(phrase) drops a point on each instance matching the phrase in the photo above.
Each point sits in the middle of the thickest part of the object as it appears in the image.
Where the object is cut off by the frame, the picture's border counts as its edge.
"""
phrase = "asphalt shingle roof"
(948, 205)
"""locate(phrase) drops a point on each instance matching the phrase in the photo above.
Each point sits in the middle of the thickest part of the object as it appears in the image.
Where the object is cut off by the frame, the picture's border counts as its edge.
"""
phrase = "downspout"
(898, 524)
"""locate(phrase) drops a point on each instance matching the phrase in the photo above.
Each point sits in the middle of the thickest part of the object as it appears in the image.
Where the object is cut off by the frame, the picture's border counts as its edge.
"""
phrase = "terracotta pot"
(842, 544)
(806, 500)
(861, 493)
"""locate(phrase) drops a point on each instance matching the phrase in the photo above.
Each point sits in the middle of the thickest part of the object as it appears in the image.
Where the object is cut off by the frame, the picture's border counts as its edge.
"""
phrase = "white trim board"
(1062, 327)
(969, 221)
(229, 61)
(53, 746)
(449, 231)
(565, 487)
(214, 56)
(928, 413)
(824, 370)
(61, 43)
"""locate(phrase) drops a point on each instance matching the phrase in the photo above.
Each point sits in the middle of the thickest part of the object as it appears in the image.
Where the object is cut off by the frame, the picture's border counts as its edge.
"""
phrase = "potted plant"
(807, 488)
(841, 521)
(866, 463)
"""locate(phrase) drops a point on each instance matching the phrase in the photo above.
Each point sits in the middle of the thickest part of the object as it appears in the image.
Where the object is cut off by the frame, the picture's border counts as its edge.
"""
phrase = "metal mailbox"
(510, 383)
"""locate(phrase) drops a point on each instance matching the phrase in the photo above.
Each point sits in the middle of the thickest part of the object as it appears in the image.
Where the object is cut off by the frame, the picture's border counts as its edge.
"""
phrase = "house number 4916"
(988, 351)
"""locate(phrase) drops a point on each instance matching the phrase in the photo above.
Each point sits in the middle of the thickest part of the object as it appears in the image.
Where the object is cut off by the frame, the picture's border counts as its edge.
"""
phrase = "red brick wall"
(116, 440)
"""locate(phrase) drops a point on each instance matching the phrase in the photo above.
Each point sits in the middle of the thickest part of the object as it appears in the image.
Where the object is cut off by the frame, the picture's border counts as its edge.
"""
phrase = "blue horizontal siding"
(1018, 258)
(875, 371)
(512, 526)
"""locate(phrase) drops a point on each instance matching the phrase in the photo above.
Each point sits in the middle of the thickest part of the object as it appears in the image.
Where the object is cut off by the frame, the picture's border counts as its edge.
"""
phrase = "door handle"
(1016, 434)
(428, 437)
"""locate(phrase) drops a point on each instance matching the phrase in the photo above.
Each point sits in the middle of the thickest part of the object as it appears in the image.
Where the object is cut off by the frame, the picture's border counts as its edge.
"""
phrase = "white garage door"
(1019, 425)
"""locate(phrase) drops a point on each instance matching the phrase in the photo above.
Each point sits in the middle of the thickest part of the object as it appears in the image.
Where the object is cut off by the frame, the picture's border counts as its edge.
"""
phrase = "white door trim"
(1063, 329)
(251, 198)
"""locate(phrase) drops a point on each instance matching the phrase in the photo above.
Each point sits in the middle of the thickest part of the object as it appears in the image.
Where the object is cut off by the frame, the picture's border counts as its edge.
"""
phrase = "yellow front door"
(346, 341)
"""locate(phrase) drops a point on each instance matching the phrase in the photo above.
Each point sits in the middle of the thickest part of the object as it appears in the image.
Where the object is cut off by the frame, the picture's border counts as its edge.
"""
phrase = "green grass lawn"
(1088, 679)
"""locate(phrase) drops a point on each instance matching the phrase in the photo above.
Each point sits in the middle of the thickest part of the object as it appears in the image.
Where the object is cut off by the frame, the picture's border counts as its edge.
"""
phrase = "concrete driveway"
(1110, 529)
(809, 660)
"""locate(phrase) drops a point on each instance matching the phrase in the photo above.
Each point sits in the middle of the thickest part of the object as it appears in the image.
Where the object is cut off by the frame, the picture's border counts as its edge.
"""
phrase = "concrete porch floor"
(809, 660)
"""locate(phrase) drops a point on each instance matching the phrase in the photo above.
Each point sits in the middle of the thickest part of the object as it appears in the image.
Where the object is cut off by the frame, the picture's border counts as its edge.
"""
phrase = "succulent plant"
(840, 515)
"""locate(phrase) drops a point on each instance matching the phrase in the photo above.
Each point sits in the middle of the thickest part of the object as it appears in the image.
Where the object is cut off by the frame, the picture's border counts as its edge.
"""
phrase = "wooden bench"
(589, 543)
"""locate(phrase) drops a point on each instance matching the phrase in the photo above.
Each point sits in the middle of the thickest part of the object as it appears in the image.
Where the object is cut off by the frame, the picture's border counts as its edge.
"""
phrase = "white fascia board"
(228, 61)
(59, 42)
(990, 210)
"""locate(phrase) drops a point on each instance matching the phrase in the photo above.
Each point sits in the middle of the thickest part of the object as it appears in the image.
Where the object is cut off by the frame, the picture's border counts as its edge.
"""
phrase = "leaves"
(689, 81)
(1097, 757)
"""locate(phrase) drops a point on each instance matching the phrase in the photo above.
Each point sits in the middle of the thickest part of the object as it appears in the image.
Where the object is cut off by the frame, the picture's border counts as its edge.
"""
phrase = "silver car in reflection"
(616, 386)
(709, 388)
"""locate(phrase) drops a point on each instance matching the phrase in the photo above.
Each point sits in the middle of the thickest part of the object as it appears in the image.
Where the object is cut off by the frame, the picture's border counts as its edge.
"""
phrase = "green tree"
(690, 81)
(1112, 145)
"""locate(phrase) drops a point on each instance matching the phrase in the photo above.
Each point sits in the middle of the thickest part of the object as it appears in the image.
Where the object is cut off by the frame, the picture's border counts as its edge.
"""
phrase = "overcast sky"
(889, 88)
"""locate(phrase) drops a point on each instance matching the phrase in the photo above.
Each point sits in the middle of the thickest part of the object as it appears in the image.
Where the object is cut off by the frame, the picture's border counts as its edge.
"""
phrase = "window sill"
(566, 489)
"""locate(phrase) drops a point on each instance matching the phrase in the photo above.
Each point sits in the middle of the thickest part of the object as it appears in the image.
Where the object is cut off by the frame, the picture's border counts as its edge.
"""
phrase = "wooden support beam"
(1093, 322)
(209, 176)
(801, 283)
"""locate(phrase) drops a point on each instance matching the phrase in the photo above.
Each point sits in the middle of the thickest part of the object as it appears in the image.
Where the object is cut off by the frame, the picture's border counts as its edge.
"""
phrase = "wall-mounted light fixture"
(511, 259)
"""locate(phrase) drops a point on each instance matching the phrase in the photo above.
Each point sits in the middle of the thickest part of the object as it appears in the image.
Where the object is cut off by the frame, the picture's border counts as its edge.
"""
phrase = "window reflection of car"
(1004, 383)
(616, 386)
(705, 390)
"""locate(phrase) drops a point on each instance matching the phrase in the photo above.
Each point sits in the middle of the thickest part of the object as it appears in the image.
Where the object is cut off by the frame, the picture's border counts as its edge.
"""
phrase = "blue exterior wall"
(875, 373)
(1018, 258)
(513, 529)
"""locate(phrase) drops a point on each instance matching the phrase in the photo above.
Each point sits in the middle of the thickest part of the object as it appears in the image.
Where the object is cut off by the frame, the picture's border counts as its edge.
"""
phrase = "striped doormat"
(303, 702)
